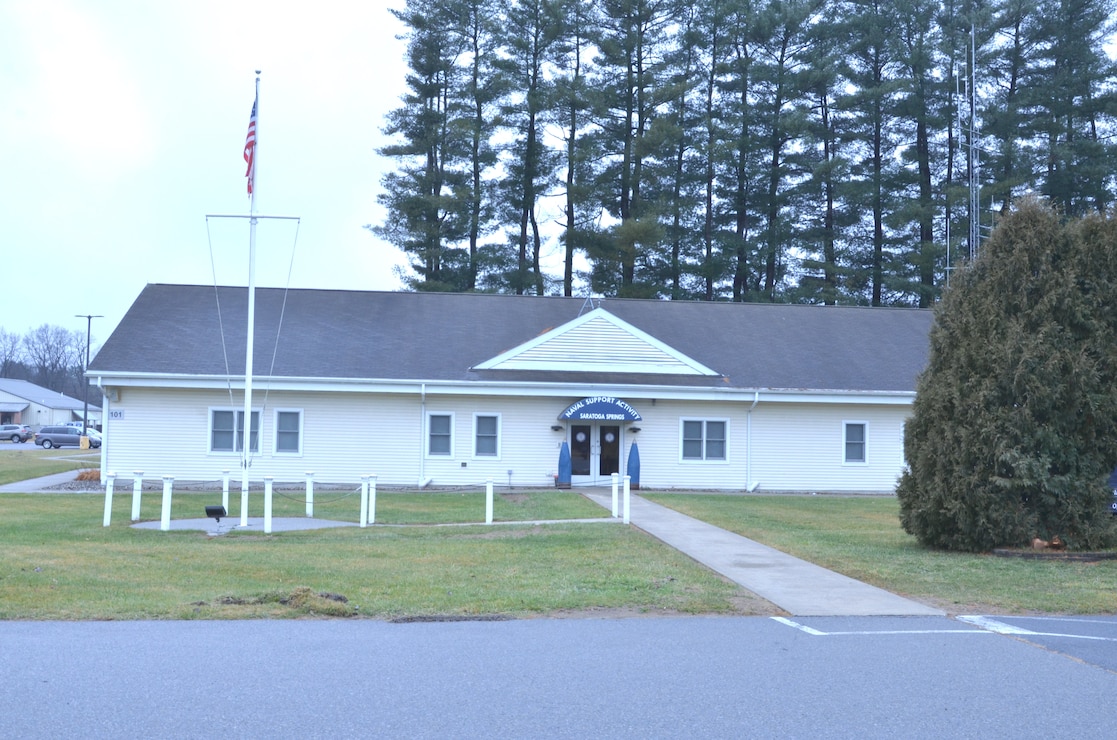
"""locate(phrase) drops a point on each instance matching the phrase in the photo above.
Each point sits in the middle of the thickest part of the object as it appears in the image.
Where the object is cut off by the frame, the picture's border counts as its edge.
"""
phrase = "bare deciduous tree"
(53, 354)
(11, 354)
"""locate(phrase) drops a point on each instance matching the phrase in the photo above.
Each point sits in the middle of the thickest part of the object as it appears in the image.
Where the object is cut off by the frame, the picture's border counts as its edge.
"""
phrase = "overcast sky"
(122, 125)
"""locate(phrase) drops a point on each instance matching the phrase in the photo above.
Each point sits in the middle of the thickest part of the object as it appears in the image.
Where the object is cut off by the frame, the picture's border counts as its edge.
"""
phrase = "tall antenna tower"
(973, 148)
(965, 90)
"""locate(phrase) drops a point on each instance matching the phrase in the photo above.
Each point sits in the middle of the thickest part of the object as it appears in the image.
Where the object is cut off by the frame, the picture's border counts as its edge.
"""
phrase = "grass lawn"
(862, 538)
(22, 461)
(58, 562)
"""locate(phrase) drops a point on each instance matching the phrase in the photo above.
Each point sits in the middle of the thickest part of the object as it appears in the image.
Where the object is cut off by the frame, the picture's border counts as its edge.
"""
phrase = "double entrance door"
(595, 453)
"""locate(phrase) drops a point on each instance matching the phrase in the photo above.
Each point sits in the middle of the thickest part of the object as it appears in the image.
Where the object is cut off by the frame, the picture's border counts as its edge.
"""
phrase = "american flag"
(250, 148)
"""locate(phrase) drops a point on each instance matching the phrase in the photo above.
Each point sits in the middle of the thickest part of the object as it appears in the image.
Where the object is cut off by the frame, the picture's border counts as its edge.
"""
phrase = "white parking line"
(820, 633)
(1000, 628)
(988, 623)
(796, 625)
(1075, 620)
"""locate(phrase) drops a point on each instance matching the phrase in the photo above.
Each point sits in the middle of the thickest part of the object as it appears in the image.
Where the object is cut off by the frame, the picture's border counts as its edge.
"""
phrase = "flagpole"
(251, 331)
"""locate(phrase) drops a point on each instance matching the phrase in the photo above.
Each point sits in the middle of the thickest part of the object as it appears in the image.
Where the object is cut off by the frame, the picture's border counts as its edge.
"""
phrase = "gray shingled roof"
(43, 396)
(175, 329)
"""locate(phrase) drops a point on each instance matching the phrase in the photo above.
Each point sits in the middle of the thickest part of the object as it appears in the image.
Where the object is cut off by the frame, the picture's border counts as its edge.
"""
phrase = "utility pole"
(85, 368)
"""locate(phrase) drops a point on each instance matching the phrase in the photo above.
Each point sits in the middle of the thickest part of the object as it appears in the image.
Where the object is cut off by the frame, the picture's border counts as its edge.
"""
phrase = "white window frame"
(427, 437)
(275, 433)
(705, 459)
(238, 434)
(864, 442)
(496, 455)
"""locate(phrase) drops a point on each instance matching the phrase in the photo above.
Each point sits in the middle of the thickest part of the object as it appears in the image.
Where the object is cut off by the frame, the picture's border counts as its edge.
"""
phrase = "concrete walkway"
(801, 588)
(40, 485)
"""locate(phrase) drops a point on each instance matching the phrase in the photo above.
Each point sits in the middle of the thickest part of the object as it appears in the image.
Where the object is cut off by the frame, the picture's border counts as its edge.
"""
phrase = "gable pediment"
(597, 342)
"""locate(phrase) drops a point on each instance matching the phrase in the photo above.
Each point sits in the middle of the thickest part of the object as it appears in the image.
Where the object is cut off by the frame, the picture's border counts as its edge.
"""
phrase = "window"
(486, 435)
(705, 439)
(441, 434)
(288, 432)
(225, 436)
(855, 440)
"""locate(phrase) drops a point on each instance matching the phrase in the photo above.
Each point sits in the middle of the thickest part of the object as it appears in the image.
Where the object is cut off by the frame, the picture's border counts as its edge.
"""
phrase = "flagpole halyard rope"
(220, 320)
(282, 312)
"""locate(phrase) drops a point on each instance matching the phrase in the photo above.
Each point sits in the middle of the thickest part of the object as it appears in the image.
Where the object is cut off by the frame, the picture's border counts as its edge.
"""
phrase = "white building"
(23, 402)
(452, 389)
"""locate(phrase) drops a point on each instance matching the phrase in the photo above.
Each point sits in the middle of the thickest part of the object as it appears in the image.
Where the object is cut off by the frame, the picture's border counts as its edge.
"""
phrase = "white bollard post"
(225, 490)
(364, 500)
(489, 501)
(627, 497)
(165, 519)
(372, 499)
(309, 493)
(267, 504)
(137, 484)
(616, 479)
(111, 478)
(243, 505)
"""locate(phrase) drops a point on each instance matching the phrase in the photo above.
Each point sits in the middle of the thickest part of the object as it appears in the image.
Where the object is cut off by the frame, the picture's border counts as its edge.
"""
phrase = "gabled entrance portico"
(596, 438)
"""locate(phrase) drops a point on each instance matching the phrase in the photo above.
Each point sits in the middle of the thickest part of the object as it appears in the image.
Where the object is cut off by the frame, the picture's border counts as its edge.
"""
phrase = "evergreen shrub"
(1014, 427)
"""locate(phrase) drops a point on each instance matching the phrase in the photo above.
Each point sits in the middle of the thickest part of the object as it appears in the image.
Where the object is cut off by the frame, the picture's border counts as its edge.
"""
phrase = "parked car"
(16, 432)
(62, 436)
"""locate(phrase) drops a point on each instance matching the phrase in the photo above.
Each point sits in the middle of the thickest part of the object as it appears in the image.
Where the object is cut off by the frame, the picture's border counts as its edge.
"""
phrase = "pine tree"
(1074, 99)
(633, 39)
(922, 107)
(1008, 64)
(708, 20)
(477, 125)
(871, 127)
(821, 281)
(740, 151)
(784, 44)
(530, 37)
(1014, 427)
(792, 150)
(427, 196)
(570, 114)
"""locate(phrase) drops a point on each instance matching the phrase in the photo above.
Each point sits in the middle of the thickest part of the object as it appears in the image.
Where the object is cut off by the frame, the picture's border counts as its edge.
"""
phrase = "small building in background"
(22, 402)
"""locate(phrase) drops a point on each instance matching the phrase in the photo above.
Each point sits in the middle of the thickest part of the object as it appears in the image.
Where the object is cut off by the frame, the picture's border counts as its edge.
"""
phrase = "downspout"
(422, 434)
(750, 486)
(105, 409)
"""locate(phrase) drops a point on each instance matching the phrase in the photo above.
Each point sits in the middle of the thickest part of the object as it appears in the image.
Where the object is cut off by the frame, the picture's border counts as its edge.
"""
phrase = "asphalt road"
(710, 677)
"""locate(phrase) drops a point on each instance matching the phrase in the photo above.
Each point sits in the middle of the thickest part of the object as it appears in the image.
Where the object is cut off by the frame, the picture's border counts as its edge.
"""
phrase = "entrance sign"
(600, 408)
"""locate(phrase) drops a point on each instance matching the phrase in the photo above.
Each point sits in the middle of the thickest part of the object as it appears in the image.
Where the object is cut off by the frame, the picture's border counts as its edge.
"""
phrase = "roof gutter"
(424, 481)
(522, 388)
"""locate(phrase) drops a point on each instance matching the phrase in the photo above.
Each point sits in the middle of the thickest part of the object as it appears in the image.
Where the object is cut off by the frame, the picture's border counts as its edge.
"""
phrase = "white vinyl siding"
(344, 436)
(801, 447)
(347, 434)
(600, 344)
